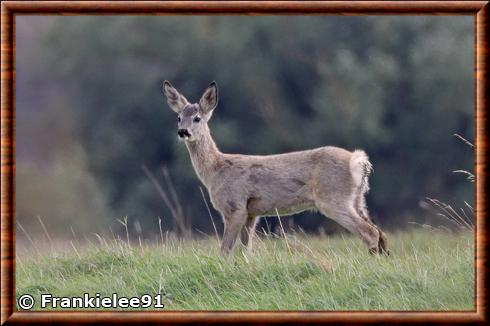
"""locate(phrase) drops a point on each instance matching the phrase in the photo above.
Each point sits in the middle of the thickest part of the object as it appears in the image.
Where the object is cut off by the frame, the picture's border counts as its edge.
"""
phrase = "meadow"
(427, 270)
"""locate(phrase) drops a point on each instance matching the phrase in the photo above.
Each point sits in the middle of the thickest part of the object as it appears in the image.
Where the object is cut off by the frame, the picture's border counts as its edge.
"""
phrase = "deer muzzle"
(183, 133)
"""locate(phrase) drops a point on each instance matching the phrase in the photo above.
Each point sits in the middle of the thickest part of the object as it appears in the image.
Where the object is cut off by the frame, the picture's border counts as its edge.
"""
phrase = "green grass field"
(426, 271)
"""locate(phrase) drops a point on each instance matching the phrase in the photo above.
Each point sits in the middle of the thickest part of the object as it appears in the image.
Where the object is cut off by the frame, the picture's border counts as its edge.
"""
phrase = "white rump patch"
(360, 167)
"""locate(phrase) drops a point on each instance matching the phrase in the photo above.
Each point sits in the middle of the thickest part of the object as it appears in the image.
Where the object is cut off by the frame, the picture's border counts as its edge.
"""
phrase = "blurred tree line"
(90, 110)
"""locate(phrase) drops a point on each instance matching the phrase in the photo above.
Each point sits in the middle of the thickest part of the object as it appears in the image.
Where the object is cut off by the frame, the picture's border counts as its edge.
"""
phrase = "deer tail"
(360, 169)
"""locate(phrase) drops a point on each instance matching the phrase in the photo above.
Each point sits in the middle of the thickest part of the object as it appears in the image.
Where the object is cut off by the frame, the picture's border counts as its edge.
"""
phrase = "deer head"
(192, 118)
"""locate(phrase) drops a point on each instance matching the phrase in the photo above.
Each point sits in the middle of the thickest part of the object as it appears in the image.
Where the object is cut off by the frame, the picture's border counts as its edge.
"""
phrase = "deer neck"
(205, 156)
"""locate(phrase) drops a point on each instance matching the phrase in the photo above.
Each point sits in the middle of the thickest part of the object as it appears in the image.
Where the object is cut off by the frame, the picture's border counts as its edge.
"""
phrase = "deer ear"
(209, 99)
(175, 100)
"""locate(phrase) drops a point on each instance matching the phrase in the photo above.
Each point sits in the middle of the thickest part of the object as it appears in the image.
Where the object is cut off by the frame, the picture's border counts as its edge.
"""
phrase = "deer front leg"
(233, 226)
(383, 243)
(248, 231)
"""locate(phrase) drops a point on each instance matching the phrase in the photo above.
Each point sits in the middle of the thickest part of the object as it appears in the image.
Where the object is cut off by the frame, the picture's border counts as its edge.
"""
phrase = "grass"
(426, 271)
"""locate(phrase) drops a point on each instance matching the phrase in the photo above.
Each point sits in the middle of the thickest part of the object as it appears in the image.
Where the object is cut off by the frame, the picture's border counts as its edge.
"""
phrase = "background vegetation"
(90, 111)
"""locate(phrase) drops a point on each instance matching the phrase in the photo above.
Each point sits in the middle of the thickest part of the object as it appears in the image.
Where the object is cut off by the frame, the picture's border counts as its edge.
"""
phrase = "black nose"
(183, 132)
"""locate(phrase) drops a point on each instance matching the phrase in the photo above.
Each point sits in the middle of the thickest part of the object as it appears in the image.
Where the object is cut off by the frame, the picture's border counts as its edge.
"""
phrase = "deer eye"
(197, 119)
(178, 119)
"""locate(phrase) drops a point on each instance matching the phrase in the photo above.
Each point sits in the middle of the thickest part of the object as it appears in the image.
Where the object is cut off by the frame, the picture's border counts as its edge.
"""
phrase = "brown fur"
(245, 187)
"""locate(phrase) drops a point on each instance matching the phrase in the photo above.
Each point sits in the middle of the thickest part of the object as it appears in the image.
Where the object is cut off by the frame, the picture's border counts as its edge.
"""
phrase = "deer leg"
(383, 243)
(354, 223)
(363, 212)
(383, 240)
(248, 231)
(233, 226)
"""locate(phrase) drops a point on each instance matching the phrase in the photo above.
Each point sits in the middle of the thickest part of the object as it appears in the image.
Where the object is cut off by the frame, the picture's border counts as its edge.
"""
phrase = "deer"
(243, 188)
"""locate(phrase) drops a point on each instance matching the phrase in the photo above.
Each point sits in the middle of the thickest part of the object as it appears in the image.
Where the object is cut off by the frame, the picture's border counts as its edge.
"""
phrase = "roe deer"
(244, 187)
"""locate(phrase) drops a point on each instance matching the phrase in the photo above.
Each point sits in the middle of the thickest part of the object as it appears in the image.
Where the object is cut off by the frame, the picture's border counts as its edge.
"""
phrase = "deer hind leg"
(248, 231)
(361, 208)
(233, 225)
(350, 219)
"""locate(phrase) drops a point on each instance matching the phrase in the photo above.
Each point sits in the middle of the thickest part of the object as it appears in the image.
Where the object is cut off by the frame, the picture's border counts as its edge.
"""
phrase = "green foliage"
(398, 87)
(426, 271)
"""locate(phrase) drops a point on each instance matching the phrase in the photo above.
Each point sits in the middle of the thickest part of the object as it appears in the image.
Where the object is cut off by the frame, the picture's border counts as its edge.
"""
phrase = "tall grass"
(427, 271)
(461, 218)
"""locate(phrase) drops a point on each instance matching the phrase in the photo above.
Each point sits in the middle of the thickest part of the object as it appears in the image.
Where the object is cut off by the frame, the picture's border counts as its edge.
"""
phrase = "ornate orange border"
(10, 9)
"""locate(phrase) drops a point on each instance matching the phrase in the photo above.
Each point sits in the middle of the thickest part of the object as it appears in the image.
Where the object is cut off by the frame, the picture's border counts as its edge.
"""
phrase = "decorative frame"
(10, 9)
